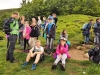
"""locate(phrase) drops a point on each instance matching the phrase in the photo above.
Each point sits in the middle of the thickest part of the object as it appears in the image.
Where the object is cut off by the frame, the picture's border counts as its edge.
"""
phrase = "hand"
(48, 36)
(60, 56)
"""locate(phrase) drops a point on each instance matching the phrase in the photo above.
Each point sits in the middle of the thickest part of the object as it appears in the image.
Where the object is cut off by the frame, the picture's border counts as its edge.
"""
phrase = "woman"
(37, 51)
(62, 54)
(26, 35)
(33, 34)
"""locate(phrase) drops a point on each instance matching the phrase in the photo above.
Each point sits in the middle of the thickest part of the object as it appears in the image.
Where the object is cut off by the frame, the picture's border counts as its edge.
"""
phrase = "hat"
(50, 17)
(62, 38)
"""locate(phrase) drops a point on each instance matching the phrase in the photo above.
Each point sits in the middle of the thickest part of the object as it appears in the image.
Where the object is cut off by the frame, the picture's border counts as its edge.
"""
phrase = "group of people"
(86, 30)
(28, 33)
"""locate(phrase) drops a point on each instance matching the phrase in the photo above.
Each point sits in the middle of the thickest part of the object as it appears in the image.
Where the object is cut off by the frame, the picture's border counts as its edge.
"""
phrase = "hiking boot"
(53, 66)
(33, 67)
(25, 64)
(62, 66)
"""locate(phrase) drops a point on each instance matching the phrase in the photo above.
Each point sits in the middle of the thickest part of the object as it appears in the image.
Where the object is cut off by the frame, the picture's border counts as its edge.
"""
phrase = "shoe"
(23, 50)
(33, 67)
(7, 59)
(15, 61)
(25, 64)
(62, 66)
(53, 66)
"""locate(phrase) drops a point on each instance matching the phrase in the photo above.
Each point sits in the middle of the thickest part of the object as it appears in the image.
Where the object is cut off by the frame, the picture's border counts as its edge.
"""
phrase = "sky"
(8, 4)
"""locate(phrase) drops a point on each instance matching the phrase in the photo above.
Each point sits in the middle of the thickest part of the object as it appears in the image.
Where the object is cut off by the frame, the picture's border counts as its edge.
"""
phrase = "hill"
(72, 23)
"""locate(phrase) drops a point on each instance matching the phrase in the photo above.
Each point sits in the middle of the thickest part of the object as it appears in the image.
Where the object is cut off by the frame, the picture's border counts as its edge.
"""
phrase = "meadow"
(72, 23)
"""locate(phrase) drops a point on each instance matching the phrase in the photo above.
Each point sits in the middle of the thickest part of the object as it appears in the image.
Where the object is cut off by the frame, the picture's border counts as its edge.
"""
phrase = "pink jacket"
(62, 50)
(27, 30)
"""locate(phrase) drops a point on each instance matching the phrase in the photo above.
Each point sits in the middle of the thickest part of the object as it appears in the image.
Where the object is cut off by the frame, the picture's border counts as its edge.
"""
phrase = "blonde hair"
(38, 41)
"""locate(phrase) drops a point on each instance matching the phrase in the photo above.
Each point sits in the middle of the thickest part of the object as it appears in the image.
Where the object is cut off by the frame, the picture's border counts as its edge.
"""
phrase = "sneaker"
(53, 66)
(33, 67)
(25, 64)
(62, 66)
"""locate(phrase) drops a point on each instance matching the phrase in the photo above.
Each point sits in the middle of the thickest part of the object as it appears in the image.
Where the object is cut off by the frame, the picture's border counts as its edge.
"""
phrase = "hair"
(91, 19)
(16, 13)
(63, 32)
(97, 19)
(60, 45)
(38, 41)
(27, 22)
(35, 18)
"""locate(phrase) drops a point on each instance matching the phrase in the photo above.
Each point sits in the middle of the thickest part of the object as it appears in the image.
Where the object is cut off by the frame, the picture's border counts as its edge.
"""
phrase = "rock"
(79, 47)
(86, 55)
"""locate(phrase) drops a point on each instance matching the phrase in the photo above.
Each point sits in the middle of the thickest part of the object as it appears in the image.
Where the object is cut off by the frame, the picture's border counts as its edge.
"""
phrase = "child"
(37, 51)
(62, 54)
(64, 34)
(26, 34)
(50, 34)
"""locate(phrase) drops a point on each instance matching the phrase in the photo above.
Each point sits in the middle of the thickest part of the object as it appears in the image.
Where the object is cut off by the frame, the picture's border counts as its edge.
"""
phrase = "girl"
(26, 34)
(62, 54)
(37, 51)
(64, 34)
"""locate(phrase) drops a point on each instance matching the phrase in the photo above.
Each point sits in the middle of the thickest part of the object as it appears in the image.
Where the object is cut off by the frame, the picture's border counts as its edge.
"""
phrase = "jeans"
(12, 42)
(96, 38)
(50, 44)
(86, 39)
(26, 43)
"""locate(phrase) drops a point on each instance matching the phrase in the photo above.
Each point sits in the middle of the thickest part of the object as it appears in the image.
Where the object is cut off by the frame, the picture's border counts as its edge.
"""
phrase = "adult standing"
(14, 27)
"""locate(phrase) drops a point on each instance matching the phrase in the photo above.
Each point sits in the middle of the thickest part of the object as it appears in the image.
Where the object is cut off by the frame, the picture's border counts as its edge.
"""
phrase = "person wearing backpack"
(86, 31)
(14, 31)
(96, 31)
(50, 34)
(61, 54)
(36, 52)
(26, 35)
(34, 33)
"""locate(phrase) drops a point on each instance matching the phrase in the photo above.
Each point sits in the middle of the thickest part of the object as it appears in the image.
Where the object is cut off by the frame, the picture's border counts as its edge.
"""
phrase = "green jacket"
(14, 26)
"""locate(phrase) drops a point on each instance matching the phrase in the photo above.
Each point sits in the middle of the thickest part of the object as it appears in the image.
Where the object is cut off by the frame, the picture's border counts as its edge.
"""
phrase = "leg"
(25, 41)
(37, 58)
(12, 40)
(7, 42)
(57, 60)
(51, 44)
(28, 57)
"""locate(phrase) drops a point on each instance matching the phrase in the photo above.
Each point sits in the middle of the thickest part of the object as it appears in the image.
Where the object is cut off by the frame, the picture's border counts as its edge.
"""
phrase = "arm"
(53, 30)
(42, 51)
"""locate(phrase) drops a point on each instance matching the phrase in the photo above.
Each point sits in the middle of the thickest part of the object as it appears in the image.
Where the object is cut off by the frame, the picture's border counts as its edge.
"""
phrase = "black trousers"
(26, 43)
(12, 42)
(7, 42)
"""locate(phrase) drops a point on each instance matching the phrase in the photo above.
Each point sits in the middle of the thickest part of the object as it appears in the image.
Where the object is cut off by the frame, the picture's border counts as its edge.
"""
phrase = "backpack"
(94, 55)
(84, 27)
(6, 25)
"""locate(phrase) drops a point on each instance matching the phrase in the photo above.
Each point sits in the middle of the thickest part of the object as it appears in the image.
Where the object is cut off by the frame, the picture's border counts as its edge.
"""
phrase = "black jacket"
(34, 31)
(52, 31)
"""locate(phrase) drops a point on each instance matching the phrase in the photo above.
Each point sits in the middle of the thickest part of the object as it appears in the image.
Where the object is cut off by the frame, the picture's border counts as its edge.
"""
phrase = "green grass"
(73, 24)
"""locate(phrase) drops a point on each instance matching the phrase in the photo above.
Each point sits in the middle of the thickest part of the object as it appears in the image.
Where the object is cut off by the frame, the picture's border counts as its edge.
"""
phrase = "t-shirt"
(36, 49)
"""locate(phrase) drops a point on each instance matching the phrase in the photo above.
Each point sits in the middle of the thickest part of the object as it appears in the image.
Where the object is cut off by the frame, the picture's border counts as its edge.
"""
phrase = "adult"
(62, 54)
(55, 18)
(37, 51)
(96, 31)
(87, 31)
(14, 27)
(50, 33)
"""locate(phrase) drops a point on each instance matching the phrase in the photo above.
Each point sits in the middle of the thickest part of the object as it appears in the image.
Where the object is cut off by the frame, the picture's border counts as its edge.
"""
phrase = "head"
(22, 18)
(39, 17)
(63, 41)
(91, 21)
(26, 23)
(38, 43)
(15, 15)
(44, 18)
(98, 20)
(64, 32)
(54, 15)
(50, 19)
(34, 19)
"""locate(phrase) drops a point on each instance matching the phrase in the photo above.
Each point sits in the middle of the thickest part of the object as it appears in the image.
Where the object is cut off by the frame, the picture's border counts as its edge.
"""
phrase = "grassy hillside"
(73, 24)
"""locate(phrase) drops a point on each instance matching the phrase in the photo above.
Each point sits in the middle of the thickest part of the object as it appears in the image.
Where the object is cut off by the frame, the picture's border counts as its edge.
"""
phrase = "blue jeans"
(86, 39)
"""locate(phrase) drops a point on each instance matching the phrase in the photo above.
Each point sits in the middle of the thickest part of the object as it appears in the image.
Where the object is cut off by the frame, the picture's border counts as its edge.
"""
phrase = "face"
(33, 19)
(34, 23)
(50, 20)
(62, 42)
(26, 24)
(44, 18)
(39, 17)
(15, 16)
(38, 44)
(54, 15)
(65, 31)
(23, 17)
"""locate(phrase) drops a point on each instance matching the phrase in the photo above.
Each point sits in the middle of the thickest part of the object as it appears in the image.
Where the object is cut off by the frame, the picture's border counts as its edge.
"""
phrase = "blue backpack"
(84, 27)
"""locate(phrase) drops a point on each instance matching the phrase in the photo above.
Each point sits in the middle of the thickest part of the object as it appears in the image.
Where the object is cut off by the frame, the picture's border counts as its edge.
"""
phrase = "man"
(87, 31)
(96, 28)
(14, 31)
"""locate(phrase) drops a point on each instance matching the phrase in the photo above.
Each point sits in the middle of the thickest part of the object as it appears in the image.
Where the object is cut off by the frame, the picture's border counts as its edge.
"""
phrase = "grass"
(72, 23)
